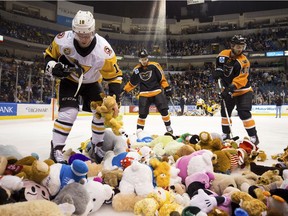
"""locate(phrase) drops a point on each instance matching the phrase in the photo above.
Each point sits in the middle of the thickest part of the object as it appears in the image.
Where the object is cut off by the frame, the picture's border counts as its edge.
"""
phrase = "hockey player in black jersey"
(151, 79)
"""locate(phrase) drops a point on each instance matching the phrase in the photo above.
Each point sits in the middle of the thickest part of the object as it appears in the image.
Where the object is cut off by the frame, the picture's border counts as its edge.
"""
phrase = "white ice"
(34, 135)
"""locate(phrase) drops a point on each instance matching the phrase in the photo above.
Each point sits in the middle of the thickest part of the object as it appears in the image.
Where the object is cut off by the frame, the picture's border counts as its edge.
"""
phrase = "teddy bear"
(99, 193)
(183, 150)
(109, 111)
(125, 202)
(3, 164)
(161, 171)
(269, 177)
(94, 169)
(157, 201)
(62, 174)
(36, 208)
(34, 169)
(112, 177)
(254, 207)
(137, 178)
(112, 161)
(205, 140)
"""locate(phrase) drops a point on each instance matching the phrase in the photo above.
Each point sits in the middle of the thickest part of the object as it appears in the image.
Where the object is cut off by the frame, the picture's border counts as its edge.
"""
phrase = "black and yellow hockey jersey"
(151, 79)
(235, 71)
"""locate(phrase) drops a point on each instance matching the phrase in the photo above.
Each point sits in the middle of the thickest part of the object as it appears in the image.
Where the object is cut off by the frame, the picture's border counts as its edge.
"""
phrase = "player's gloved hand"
(217, 73)
(228, 91)
(59, 70)
(168, 91)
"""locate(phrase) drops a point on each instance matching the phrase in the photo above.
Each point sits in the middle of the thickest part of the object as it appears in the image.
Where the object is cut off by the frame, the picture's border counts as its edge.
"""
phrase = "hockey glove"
(168, 91)
(228, 91)
(59, 70)
(217, 73)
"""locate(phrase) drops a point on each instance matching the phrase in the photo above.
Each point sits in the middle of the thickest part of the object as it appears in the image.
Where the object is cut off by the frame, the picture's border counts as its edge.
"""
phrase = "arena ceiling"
(179, 9)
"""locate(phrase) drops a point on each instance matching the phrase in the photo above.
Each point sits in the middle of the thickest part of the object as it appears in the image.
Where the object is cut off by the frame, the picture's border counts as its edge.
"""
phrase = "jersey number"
(116, 68)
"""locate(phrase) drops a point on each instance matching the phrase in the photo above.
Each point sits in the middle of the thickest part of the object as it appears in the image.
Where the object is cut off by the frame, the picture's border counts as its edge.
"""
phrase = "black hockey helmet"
(238, 39)
(142, 53)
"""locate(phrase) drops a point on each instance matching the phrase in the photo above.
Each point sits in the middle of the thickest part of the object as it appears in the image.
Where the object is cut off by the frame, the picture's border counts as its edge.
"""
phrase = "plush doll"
(197, 161)
(112, 177)
(11, 183)
(269, 177)
(3, 164)
(94, 169)
(34, 169)
(36, 208)
(112, 161)
(31, 191)
(62, 174)
(161, 171)
(5, 196)
(138, 179)
(183, 150)
(150, 205)
(76, 194)
(254, 207)
(98, 193)
(277, 202)
(109, 111)
(125, 202)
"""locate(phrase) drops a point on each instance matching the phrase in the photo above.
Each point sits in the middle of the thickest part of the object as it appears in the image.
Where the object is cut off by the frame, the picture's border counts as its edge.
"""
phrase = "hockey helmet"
(83, 22)
(142, 53)
(238, 39)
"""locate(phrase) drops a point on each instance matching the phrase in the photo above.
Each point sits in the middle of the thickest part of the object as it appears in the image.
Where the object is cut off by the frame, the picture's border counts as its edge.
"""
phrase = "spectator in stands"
(91, 56)
(278, 102)
(232, 68)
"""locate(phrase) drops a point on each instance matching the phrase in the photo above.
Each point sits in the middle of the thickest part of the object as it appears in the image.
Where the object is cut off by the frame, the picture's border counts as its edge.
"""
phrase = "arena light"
(1, 38)
(190, 2)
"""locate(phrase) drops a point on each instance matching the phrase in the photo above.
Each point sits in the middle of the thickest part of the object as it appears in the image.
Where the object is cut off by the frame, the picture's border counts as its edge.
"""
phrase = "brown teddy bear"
(183, 150)
(109, 111)
(252, 206)
(33, 169)
(112, 177)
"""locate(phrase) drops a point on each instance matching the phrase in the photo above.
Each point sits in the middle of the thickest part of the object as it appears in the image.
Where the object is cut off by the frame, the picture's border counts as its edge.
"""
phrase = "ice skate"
(96, 152)
(56, 154)
(254, 140)
(169, 129)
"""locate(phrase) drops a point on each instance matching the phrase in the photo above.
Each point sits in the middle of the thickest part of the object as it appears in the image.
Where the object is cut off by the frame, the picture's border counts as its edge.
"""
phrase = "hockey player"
(150, 77)
(93, 59)
(232, 67)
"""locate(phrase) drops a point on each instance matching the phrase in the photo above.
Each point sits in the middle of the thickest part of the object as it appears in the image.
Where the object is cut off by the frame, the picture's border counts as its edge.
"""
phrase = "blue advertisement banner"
(63, 20)
(8, 109)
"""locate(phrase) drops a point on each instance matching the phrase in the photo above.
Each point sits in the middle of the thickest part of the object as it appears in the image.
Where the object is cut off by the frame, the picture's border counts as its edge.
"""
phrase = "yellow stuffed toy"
(161, 171)
(109, 111)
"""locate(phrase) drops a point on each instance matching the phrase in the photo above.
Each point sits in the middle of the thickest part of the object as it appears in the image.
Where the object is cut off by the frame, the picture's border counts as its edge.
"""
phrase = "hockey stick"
(226, 112)
(79, 71)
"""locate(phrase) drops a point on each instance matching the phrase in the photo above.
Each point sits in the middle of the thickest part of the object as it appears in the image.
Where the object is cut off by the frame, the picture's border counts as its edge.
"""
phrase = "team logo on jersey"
(67, 51)
(222, 59)
(145, 75)
(60, 35)
(107, 50)
(136, 71)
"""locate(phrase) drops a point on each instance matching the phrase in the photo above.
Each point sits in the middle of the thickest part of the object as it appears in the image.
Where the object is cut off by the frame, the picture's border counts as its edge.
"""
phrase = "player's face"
(237, 49)
(84, 40)
(143, 61)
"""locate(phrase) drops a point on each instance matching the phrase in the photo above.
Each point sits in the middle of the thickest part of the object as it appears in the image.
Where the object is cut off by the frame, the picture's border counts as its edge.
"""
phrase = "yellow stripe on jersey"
(166, 118)
(61, 127)
(53, 50)
(111, 71)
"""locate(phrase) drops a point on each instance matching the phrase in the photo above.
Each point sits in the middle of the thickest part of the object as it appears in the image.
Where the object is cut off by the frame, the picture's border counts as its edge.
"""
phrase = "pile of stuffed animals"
(190, 174)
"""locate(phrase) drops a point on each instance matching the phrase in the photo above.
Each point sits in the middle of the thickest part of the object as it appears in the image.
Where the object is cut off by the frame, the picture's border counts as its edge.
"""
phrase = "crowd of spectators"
(263, 40)
(193, 82)
(34, 87)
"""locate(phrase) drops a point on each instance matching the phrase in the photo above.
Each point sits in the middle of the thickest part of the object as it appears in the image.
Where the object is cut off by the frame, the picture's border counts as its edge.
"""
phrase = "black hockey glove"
(228, 91)
(217, 73)
(59, 70)
(168, 91)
